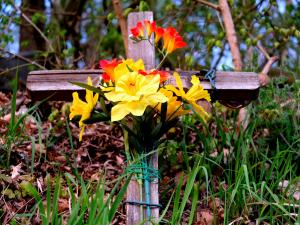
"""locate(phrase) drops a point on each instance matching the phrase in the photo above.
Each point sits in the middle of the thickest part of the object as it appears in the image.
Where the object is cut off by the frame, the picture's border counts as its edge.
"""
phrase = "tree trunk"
(30, 39)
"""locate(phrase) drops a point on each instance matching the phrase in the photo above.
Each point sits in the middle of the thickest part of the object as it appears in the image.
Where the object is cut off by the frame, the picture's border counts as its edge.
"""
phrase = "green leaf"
(88, 87)
(97, 117)
(118, 200)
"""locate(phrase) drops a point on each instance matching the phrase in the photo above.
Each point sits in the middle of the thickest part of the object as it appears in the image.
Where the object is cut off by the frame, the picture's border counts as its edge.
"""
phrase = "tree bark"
(68, 15)
(30, 39)
(122, 22)
(231, 35)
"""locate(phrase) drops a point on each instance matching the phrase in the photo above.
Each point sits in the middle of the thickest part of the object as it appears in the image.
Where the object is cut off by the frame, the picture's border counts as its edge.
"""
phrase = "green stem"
(141, 199)
(161, 62)
(147, 189)
(126, 145)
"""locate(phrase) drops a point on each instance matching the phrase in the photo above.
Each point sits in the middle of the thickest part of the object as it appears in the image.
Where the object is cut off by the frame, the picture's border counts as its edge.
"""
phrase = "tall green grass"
(91, 206)
(249, 165)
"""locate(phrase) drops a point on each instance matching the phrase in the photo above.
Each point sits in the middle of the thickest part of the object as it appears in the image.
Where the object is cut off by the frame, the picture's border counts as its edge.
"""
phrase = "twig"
(35, 27)
(269, 64)
(23, 58)
(263, 75)
(39, 31)
(209, 4)
(122, 22)
(219, 57)
(263, 50)
(231, 35)
(259, 45)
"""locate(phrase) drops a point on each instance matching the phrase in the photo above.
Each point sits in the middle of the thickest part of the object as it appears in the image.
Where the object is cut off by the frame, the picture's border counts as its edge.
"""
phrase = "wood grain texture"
(145, 51)
(233, 86)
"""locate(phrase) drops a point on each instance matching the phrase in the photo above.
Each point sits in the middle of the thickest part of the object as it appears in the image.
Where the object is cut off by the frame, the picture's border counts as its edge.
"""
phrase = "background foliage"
(210, 173)
(78, 33)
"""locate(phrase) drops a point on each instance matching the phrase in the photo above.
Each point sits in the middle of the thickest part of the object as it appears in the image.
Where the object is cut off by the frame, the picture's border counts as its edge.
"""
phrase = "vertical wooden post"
(142, 50)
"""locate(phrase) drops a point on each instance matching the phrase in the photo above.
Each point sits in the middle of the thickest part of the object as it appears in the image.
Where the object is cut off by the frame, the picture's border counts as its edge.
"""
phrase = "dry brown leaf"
(15, 172)
(63, 205)
(38, 148)
(60, 158)
(204, 217)
(120, 161)
(3, 99)
(226, 153)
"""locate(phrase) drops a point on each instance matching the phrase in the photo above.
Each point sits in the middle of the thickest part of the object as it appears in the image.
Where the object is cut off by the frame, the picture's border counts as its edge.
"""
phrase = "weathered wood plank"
(231, 86)
(142, 50)
(42, 84)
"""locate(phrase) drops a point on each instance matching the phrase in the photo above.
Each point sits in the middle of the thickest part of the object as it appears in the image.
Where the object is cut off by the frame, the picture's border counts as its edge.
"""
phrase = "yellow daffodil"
(83, 109)
(134, 92)
(127, 66)
(174, 107)
(195, 93)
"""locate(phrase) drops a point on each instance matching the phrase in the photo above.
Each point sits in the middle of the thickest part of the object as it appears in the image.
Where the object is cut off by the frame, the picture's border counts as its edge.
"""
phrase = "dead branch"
(209, 4)
(122, 22)
(263, 75)
(259, 45)
(23, 58)
(39, 31)
(231, 35)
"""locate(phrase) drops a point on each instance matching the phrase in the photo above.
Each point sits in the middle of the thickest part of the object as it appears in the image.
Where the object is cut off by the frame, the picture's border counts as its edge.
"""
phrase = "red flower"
(163, 74)
(172, 40)
(159, 32)
(138, 30)
(150, 27)
(105, 77)
(108, 67)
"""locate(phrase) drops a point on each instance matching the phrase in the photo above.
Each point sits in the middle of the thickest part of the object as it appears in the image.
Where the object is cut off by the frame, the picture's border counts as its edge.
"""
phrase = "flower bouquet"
(141, 101)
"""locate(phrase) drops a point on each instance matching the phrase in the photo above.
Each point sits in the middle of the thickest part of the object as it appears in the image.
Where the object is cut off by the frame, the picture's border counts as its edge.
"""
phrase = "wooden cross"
(234, 89)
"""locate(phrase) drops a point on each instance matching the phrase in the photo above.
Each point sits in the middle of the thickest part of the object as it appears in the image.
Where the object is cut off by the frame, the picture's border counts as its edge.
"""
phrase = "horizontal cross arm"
(229, 86)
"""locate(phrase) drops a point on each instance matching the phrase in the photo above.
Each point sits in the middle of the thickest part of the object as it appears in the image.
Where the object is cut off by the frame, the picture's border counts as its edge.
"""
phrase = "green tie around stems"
(147, 174)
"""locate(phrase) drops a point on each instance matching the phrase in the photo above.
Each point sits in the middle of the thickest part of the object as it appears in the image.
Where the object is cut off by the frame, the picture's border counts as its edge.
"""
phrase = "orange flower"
(159, 32)
(163, 74)
(138, 30)
(108, 67)
(150, 27)
(172, 40)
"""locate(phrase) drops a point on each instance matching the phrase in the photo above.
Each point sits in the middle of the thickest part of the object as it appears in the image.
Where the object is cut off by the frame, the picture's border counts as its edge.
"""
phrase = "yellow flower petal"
(120, 96)
(77, 106)
(89, 94)
(118, 112)
(81, 108)
(200, 111)
(137, 108)
(122, 68)
(173, 89)
(154, 99)
(196, 92)
(179, 83)
(81, 133)
(147, 84)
